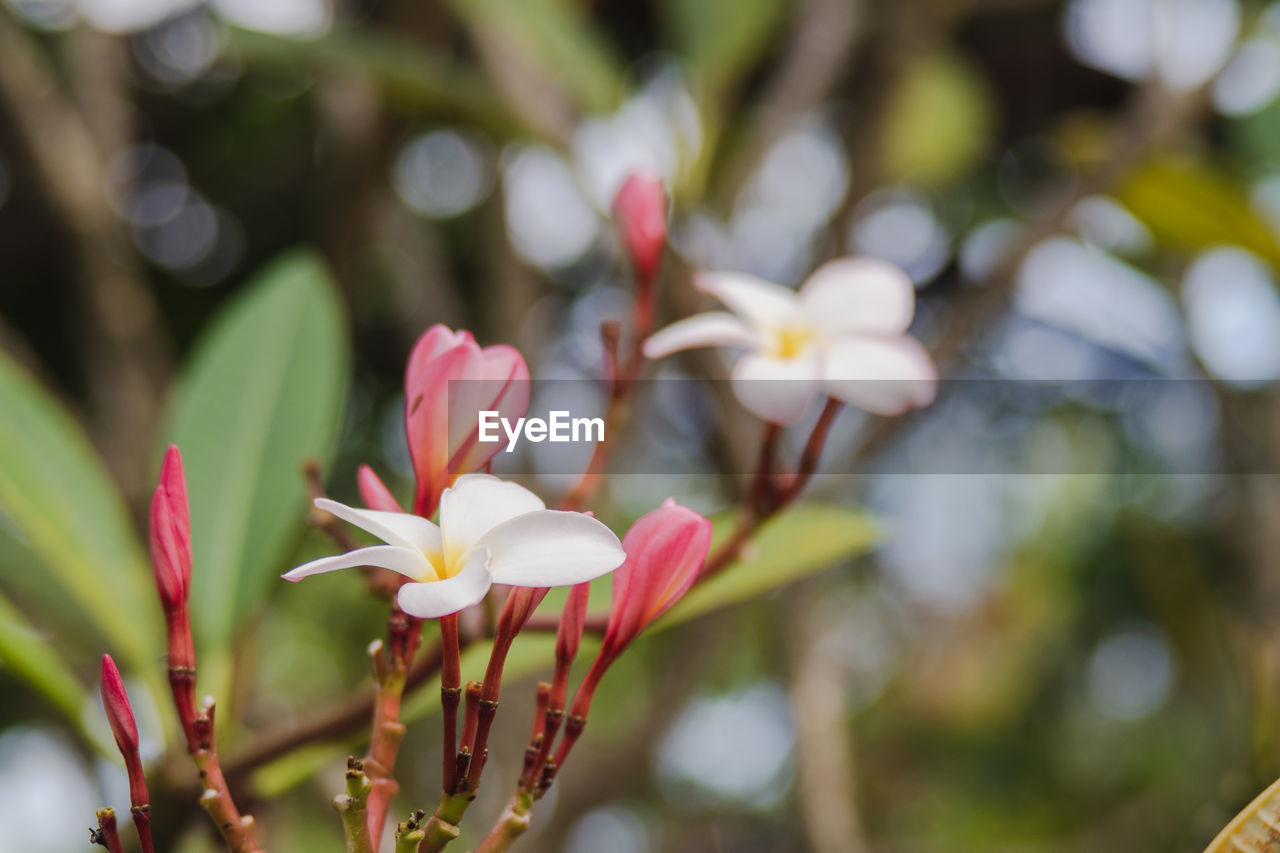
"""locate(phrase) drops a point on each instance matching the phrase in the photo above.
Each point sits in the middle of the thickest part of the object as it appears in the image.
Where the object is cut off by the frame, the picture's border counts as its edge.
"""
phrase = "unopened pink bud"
(171, 532)
(665, 551)
(443, 433)
(375, 493)
(572, 621)
(119, 712)
(640, 209)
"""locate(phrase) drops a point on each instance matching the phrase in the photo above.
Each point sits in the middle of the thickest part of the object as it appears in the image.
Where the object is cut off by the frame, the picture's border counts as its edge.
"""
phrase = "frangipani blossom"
(842, 334)
(443, 432)
(490, 531)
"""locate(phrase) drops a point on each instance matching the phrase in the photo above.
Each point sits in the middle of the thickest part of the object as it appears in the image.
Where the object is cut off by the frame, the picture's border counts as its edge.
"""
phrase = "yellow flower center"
(791, 341)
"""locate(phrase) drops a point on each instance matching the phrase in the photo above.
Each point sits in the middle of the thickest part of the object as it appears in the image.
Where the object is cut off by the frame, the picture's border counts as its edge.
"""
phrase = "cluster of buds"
(171, 559)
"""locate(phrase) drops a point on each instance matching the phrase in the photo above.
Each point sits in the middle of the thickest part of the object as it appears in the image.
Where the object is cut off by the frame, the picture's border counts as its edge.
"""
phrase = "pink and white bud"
(443, 430)
(665, 551)
(375, 493)
(171, 532)
(640, 209)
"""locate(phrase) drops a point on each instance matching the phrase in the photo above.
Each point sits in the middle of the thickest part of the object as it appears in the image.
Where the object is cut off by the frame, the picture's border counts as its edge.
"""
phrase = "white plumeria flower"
(490, 532)
(842, 334)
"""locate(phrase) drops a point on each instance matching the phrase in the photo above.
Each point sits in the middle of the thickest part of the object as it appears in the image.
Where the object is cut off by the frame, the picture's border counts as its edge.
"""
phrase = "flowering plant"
(475, 554)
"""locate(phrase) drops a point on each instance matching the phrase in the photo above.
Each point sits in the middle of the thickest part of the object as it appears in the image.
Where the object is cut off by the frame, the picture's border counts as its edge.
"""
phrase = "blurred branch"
(824, 745)
(340, 721)
(818, 50)
(125, 352)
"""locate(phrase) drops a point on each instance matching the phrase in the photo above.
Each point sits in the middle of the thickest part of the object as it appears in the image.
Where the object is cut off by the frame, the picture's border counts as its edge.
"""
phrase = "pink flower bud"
(665, 551)
(442, 424)
(572, 621)
(171, 532)
(119, 712)
(640, 209)
(125, 731)
(375, 493)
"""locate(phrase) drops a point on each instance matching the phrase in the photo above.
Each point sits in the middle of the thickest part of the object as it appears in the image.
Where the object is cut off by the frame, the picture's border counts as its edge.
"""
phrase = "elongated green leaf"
(58, 502)
(28, 655)
(801, 542)
(412, 79)
(262, 393)
(721, 40)
(1188, 204)
(559, 40)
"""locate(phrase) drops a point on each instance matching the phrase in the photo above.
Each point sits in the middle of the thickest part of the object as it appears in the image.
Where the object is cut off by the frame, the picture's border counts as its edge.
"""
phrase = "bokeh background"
(1084, 656)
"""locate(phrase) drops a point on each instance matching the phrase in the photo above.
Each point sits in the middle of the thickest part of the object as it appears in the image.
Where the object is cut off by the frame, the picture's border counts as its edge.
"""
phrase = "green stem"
(442, 828)
(353, 806)
(513, 823)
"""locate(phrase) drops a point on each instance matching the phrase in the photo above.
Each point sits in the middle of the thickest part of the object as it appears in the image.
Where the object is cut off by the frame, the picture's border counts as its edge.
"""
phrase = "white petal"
(761, 303)
(714, 328)
(440, 598)
(885, 376)
(851, 295)
(552, 548)
(394, 528)
(407, 561)
(776, 389)
(477, 503)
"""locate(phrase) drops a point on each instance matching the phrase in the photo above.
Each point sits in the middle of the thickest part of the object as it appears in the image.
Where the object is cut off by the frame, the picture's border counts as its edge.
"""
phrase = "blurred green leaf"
(801, 542)
(262, 393)
(28, 655)
(1189, 204)
(409, 76)
(937, 123)
(559, 39)
(62, 508)
(721, 40)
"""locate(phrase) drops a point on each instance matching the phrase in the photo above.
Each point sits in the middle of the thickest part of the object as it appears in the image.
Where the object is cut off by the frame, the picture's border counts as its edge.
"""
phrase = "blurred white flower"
(842, 334)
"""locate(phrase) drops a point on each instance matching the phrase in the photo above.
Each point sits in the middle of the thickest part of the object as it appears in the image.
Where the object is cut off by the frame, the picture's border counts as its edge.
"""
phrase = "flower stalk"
(125, 731)
(171, 561)
(409, 833)
(352, 805)
(391, 668)
(107, 834)
(513, 823)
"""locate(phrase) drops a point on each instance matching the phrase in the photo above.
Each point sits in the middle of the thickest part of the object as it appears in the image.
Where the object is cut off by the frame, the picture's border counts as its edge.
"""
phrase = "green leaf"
(28, 655)
(801, 542)
(59, 504)
(1188, 204)
(937, 123)
(411, 78)
(721, 40)
(558, 40)
(262, 393)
